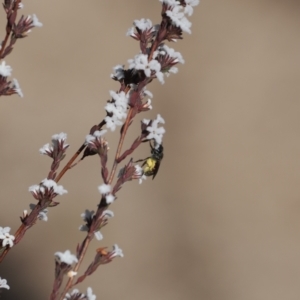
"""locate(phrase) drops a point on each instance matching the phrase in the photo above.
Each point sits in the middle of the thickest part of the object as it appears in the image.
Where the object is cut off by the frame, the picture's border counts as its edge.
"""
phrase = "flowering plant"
(155, 60)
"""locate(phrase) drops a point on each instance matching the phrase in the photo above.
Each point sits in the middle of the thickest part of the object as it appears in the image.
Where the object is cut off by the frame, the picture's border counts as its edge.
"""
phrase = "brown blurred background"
(221, 221)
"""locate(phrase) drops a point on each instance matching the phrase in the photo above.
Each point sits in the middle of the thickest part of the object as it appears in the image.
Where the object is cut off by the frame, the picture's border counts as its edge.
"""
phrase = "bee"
(151, 164)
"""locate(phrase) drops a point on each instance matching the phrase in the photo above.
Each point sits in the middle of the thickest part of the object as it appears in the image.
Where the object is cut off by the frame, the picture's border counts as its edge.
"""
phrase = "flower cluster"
(155, 60)
(46, 191)
(8, 88)
(89, 216)
(57, 148)
(14, 31)
(6, 238)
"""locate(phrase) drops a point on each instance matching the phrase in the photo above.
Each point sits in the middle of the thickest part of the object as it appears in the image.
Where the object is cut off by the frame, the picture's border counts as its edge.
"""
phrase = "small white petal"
(104, 188)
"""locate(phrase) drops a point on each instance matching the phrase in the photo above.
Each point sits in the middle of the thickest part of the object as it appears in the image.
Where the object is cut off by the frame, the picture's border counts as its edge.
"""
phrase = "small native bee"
(151, 164)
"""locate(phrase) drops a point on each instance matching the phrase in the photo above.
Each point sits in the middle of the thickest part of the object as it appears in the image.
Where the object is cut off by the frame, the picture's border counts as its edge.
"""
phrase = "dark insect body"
(151, 164)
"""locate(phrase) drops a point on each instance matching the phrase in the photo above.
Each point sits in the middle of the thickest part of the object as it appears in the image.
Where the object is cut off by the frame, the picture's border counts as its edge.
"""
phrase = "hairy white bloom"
(117, 251)
(47, 148)
(139, 174)
(89, 294)
(146, 121)
(3, 284)
(66, 257)
(189, 6)
(104, 188)
(117, 109)
(118, 72)
(108, 213)
(17, 88)
(143, 24)
(92, 137)
(131, 32)
(151, 68)
(156, 132)
(98, 235)
(172, 53)
(7, 239)
(179, 19)
(58, 189)
(110, 199)
(74, 293)
(5, 70)
(47, 186)
(36, 22)
(59, 137)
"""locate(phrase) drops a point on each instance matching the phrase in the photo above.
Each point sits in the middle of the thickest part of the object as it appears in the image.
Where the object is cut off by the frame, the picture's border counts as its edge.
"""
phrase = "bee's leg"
(151, 146)
(139, 160)
(144, 160)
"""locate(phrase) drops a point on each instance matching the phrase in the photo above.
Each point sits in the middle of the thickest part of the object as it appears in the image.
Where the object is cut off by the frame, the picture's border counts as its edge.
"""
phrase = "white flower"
(66, 257)
(3, 284)
(143, 24)
(58, 189)
(173, 70)
(131, 32)
(34, 189)
(172, 53)
(59, 137)
(98, 235)
(112, 122)
(140, 62)
(118, 109)
(121, 99)
(156, 132)
(17, 88)
(108, 213)
(43, 215)
(90, 295)
(36, 22)
(47, 148)
(47, 188)
(189, 6)
(148, 93)
(104, 188)
(7, 239)
(118, 72)
(146, 121)
(110, 198)
(148, 104)
(139, 174)
(5, 70)
(74, 292)
(117, 251)
(179, 19)
(90, 138)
